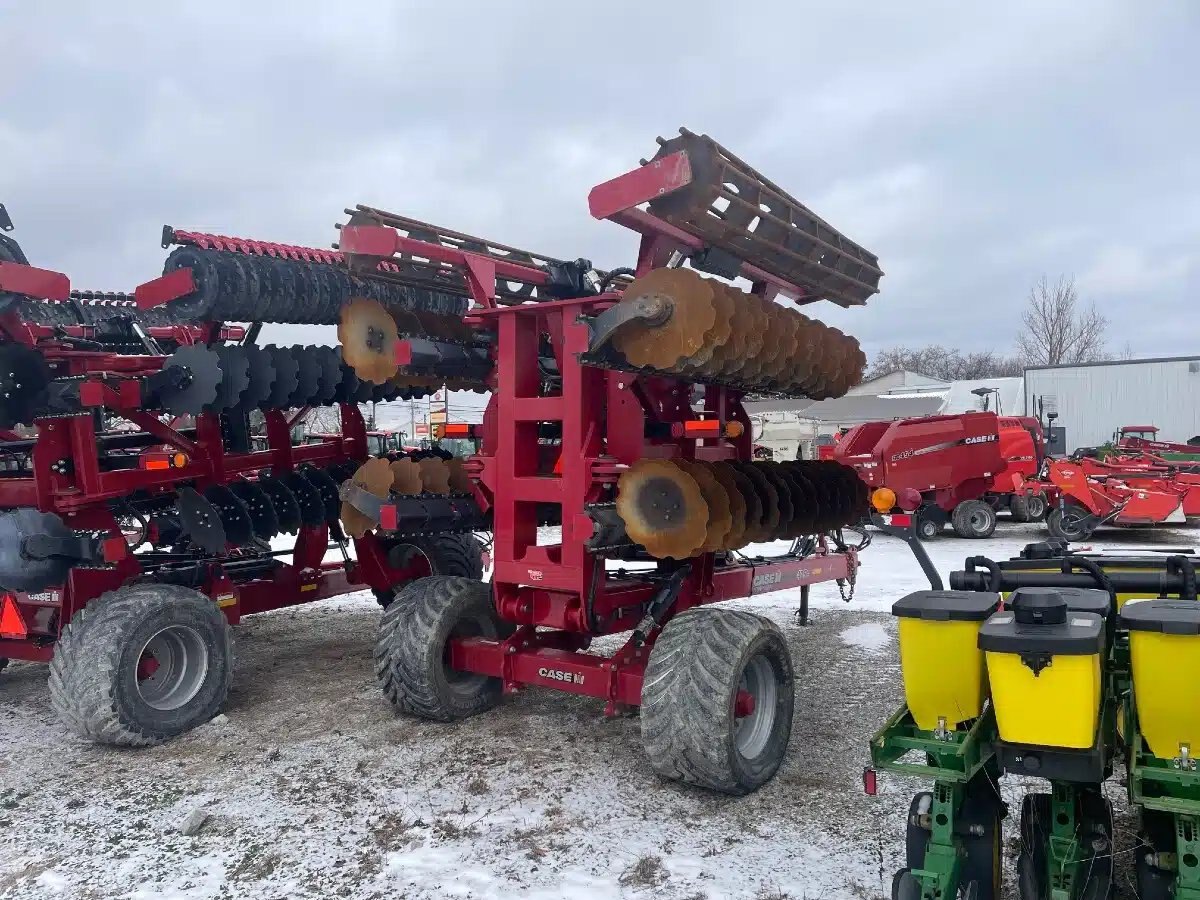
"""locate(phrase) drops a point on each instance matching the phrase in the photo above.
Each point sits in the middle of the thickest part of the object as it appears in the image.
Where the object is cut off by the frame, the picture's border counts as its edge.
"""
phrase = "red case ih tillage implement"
(615, 414)
(130, 539)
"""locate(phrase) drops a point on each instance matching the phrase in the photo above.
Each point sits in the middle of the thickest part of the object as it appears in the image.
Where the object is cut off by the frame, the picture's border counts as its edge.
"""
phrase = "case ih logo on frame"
(560, 675)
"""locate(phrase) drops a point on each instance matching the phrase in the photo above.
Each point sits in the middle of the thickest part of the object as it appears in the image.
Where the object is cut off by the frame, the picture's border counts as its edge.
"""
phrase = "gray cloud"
(972, 147)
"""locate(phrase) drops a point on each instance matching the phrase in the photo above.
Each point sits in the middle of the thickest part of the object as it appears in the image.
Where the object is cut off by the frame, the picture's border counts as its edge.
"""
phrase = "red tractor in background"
(966, 467)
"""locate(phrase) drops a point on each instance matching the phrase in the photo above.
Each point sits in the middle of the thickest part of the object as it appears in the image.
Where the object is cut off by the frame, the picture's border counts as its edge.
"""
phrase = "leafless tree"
(1057, 329)
(945, 363)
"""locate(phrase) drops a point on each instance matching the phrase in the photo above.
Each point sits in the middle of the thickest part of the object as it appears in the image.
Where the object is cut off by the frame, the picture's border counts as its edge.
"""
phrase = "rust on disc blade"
(460, 481)
(693, 313)
(728, 356)
(707, 359)
(719, 520)
(435, 477)
(375, 477)
(752, 500)
(367, 333)
(406, 477)
(663, 509)
(724, 475)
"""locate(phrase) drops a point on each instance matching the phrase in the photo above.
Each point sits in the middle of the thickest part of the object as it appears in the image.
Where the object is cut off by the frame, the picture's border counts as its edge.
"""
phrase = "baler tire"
(690, 730)
(447, 554)
(1018, 508)
(409, 652)
(926, 527)
(973, 519)
(95, 681)
(3, 663)
(1037, 505)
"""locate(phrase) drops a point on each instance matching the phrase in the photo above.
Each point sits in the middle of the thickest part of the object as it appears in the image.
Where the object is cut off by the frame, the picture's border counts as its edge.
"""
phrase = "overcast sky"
(973, 147)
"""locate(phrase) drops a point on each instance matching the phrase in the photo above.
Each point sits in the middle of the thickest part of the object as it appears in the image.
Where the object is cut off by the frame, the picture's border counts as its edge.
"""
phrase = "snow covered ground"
(315, 789)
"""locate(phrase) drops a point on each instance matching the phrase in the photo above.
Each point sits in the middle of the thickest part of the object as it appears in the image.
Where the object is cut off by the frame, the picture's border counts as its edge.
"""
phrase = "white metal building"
(1094, 399)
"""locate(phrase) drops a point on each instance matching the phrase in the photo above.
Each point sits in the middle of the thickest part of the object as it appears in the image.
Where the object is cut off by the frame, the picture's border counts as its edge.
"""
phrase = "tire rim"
(979, 520)
(752, 732)
(1072, 524)
(171, 667)
(1036, 507)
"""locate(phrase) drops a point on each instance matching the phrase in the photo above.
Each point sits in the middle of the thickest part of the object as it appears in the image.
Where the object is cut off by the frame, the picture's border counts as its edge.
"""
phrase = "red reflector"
(12, 625)
(702, 426)
(902, 520)
(389, 517)
(114, 549)
(870, 781)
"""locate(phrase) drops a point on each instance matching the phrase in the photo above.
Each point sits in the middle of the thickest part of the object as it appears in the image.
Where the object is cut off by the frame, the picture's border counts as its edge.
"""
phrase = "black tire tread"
(409, 647)
(960, 519)
(448, 554)
(87, 657)
(685, 723)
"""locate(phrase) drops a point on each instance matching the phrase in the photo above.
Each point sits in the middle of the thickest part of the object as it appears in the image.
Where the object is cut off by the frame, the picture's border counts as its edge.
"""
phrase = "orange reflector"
(179, 460)
(883, 499)
(702, 428)
(734, 429)
(12, 624)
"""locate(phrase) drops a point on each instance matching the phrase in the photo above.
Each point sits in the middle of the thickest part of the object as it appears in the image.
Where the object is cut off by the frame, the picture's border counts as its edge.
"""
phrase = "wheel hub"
(753, 730)
(171, 667)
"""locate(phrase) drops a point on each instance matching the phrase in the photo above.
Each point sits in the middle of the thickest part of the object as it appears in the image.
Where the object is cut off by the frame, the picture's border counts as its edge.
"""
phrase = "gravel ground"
(314, 788)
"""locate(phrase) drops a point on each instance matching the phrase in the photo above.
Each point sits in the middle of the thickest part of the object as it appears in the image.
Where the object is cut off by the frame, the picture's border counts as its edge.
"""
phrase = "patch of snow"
(870, 636)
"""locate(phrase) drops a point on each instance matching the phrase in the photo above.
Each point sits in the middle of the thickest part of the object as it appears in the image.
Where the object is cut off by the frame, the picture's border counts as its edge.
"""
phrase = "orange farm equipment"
(1086, 493)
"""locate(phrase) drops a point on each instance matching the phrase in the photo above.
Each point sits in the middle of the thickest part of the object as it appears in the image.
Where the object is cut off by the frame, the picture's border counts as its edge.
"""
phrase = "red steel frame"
(81, 492)
(562, 588)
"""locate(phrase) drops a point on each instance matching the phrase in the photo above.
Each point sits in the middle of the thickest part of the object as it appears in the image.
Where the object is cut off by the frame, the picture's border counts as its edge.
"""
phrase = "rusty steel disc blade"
(752, 501)
(724, 476)
(375, 477)
(693, 313)
(732, 353)
(719, 519)
(707, 360)
(460, 481)
(662, 508)
(435, 476)
(367, 333)
(406, 477)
